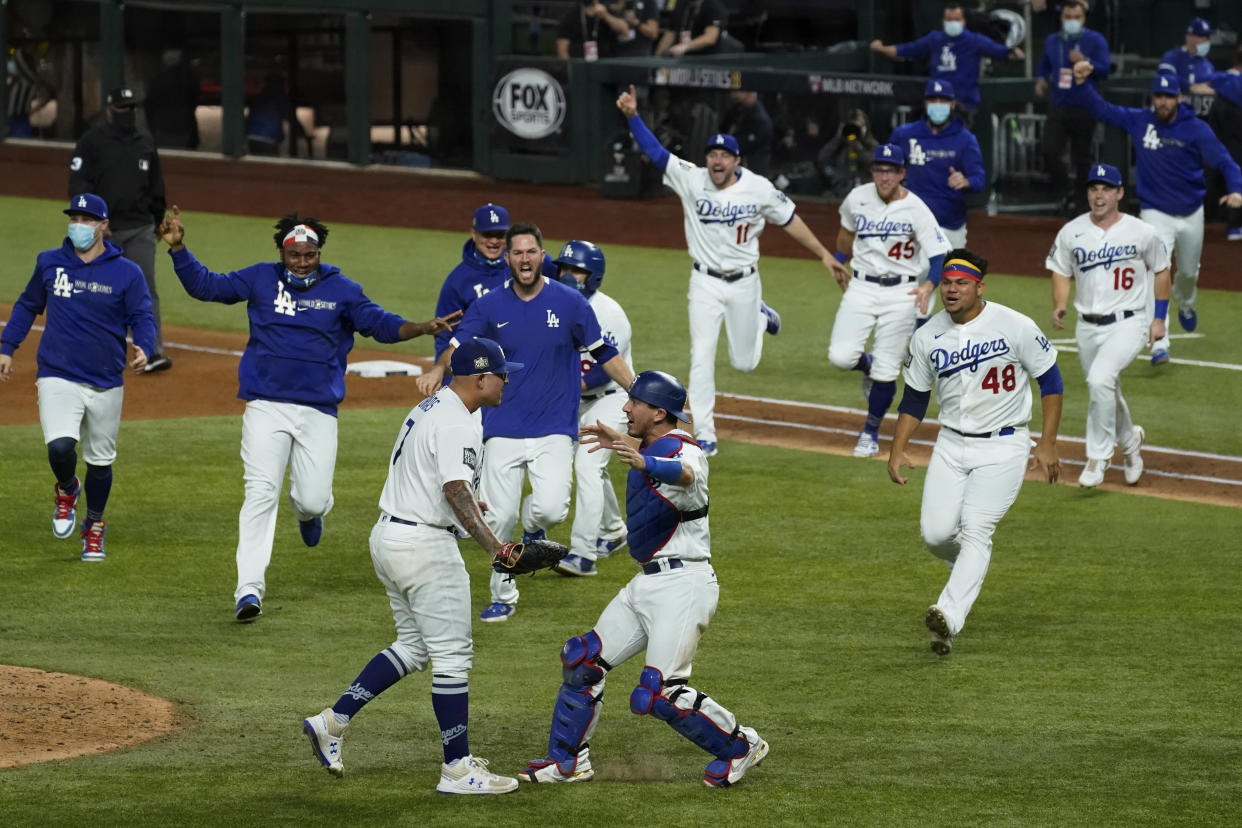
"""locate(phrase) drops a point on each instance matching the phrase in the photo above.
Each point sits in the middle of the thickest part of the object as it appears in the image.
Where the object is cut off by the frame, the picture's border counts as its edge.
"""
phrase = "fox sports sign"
(530, 103)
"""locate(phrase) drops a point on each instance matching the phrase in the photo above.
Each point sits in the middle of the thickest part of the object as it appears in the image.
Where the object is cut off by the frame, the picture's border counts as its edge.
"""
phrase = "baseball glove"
(521, 558)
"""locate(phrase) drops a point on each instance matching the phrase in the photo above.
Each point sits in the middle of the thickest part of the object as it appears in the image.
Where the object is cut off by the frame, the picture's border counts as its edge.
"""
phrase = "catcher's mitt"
(521, 558)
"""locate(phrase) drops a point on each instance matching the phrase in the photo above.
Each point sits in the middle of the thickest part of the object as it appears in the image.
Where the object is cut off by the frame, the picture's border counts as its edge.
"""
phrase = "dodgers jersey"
(440, 441)
(723, 226)
(980, 370)
(544, 334)
(614, 327)
(888, 238)
(955, 59)
(1114, 268)
(649, 502)
(929, 155)
(89, 306)
(299, 339)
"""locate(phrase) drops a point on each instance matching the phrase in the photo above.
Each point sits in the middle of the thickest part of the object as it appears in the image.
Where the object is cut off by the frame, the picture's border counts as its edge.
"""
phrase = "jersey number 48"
(998, 380)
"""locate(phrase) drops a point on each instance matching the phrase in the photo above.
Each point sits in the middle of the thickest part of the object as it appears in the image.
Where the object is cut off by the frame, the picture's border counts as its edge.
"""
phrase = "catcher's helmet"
(584, 256)
(662, 391)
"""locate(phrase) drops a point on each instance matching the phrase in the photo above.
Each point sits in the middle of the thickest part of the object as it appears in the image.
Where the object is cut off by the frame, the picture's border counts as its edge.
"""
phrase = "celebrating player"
(664, 609)
(726, 207)
(598, 528)
(303, 316)
(1119, 263)
(542, 323)
(92, 294)
(1171, 147)
(890, 231)
(979, 356)
(427, 498)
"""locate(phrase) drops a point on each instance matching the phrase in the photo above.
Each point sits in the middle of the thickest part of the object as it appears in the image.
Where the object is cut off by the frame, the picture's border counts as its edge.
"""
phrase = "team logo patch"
(471, 458)
(480, 362)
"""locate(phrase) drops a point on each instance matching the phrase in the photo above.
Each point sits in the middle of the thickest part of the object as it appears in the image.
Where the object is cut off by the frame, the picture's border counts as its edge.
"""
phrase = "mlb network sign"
(530, 103)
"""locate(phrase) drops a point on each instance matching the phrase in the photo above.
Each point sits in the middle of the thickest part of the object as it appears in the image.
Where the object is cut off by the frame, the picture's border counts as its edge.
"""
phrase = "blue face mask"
(1072, 28)
(299, 283)
(1202, 49)
(953, 28)
(82, 236)
(938, 113)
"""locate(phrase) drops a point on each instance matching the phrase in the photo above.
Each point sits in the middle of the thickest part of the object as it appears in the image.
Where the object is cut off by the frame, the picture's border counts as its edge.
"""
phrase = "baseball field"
(1094, 683)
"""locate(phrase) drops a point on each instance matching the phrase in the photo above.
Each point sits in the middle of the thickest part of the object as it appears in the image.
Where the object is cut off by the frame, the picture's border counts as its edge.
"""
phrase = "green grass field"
(1095, 682)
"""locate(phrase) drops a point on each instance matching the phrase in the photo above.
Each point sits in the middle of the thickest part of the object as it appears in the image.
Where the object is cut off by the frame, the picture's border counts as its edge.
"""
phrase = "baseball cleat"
(1159, 356)
(868, 445)
(774, 319)
(576, 565)
(248, 608)
(721, 773)
(547, 770)
(159, 362)
(326, 736)
(497, 612)
(65, 513)
(1188, 319)
(312, 530)
(538, 534)
(92, 541)
(469, 775)
(941, 638)
(709, 447)
(605, 547)
(1233, 234)
(1093, 473)
(1132, 460)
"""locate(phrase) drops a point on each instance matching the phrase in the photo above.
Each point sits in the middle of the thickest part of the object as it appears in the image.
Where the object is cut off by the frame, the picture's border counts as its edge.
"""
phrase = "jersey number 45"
(903, 251)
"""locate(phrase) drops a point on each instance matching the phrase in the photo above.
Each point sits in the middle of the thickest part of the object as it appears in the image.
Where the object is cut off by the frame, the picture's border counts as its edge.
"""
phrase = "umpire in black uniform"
(118, 161)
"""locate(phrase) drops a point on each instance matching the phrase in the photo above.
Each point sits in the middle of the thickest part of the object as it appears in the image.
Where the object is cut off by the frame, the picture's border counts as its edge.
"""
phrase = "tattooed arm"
(462, 500)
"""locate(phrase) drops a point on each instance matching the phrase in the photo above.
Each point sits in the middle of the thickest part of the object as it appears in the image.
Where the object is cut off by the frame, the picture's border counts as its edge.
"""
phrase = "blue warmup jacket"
(1170, 157)
(89, 305)
(928, 158)
(1188, 68)
(955, 59)
(1056, 57)
(1228, 85)
(299, 339)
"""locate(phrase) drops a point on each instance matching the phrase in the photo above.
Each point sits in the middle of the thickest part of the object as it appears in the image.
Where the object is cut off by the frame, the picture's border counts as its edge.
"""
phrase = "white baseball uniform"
(1182, 236)
(1115, 271)
(981, 373)
(722, 234)
(891, 245)
(596, 511)
(83, 412)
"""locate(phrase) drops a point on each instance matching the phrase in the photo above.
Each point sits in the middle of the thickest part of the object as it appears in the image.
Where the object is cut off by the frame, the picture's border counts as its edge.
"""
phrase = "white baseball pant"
(548, 461)
(596, 511)
(276, 435)
(867, 306)
(736, 304)
(429, 591)
(971, 483)
(1105, 351)
(89, 415)
(1183, 238)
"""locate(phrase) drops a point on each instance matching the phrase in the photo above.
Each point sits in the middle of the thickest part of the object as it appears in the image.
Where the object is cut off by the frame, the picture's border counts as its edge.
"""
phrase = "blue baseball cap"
(723, 141)
(1166, 84)
(1200, 27)
(889, 154)
(939, 89)
(481, 356)
(88, 204)
(1105, 174)
(490, 217)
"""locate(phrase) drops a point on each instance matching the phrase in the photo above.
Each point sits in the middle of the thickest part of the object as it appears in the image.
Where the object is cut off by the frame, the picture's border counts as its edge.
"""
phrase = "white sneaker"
(941, 638)
(326, 736)
(722, 774)
(469, 775)
(1093, 473)
(868, 445)
(1132, 460)
(546, 770)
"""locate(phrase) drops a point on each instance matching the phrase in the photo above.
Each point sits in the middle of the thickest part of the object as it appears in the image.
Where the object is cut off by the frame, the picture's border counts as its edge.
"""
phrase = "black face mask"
(125, 120)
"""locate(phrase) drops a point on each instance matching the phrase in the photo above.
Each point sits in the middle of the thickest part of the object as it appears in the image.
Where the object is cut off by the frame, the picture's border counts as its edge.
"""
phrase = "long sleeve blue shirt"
(299, 339)
(90, 306)
(1226, 84)
(1056, 67)
(955, 59)
(929, 157)
(1189, 68)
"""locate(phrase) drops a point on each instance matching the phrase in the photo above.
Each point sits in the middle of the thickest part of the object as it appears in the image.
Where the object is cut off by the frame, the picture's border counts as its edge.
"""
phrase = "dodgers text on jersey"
(970, 355)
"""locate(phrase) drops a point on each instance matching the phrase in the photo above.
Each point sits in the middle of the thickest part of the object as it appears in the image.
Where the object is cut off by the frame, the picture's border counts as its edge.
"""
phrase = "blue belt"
(731, 276)
(1004, 432)
(1107, 319)
(654, 568)
(885, 281)
(404, 522)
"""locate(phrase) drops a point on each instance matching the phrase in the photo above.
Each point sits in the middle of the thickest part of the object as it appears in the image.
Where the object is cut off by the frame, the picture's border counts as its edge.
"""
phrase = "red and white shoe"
(65, 515)
(92, 541)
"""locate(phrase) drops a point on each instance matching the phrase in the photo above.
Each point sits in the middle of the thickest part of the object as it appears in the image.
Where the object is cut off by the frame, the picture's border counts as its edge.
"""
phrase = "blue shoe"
(311, 530)
(576, 565)
(497, 612)
(1234, 234)
(774, 319)
(248, 608)
(1159, 357)
(709, 447)
(1188, 318)
(538, 534)
(604, 547)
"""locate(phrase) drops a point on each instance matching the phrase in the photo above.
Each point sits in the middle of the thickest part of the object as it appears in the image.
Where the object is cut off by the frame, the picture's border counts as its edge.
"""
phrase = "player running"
(979, 357)
(726, 208)
(663, 610)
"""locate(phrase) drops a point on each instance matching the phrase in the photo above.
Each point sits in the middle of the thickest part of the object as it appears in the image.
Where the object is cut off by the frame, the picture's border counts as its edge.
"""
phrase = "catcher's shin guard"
(577, 706)
(691, 713)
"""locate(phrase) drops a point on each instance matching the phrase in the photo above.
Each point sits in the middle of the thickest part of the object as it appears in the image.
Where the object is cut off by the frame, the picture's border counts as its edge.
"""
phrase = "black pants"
(1078, 127)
